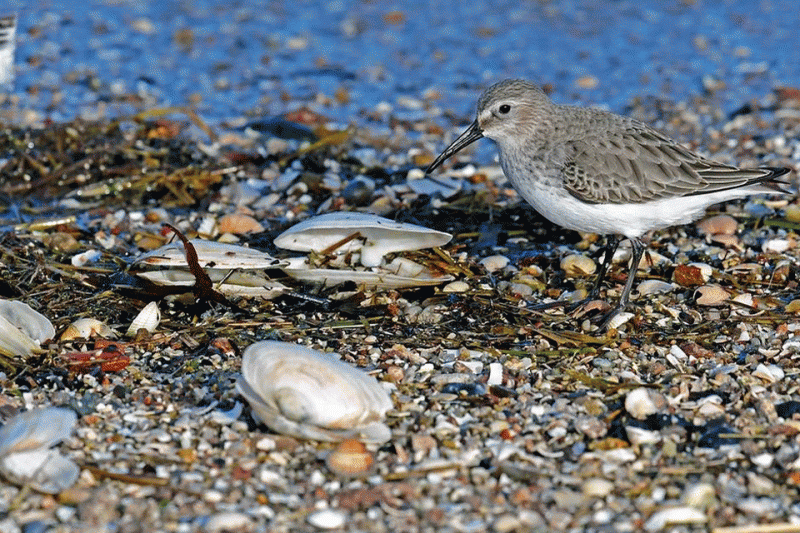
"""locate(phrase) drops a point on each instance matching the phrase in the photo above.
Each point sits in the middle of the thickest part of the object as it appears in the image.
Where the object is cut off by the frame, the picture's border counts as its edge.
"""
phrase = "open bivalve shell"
(22, 329)
(25, 454)
(371, 235)
(308, 394)
(237, 269)
(398, 274)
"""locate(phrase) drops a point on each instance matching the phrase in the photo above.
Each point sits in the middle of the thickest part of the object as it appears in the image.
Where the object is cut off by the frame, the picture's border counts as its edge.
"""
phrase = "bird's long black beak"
(472, 134)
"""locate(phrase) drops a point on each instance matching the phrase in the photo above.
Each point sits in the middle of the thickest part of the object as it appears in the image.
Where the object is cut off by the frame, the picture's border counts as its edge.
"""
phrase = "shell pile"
(368, 237)
(300, 392)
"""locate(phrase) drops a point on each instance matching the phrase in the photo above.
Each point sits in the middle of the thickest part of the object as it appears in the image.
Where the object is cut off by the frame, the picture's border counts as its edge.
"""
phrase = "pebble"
(700, 495)
(597, 487)
(660, 520)
(239, 224)
(327, 519)
(228, 521)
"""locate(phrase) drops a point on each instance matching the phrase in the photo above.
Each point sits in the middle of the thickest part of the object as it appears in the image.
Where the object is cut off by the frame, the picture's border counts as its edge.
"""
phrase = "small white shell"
(22, 329)
(619, 319)
(654, 286)
(25, 457)
(377, 236)
(308, 394)
(86, 328)
(148, 319)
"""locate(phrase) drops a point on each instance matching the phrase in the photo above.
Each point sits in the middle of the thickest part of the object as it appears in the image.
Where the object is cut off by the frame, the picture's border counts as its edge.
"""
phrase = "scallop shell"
(25, 457)
(148, 319)
(308, 394)
(22, 329)
(374, 236)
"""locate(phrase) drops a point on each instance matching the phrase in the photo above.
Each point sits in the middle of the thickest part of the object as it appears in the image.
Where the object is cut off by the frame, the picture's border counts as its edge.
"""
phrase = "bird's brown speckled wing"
(634, 163)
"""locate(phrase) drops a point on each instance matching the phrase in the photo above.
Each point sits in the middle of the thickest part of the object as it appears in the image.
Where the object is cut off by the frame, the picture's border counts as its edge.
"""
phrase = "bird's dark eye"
(504, 109)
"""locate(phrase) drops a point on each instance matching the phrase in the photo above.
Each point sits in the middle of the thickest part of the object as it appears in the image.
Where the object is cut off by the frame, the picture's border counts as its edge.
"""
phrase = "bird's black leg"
(612, 243)
(636, 258)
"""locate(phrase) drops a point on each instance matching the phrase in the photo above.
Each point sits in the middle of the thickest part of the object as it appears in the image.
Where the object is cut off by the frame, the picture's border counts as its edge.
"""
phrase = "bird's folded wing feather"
(638, 164)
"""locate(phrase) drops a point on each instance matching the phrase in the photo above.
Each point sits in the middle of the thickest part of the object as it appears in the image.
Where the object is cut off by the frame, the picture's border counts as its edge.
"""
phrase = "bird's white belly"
(630, 220)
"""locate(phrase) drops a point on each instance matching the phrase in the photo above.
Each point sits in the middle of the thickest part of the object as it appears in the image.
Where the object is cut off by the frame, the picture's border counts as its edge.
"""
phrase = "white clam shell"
(237, 270)
(377, 236)
(22, 329)
(210, 255)
(308, 394)
(148, 319)
(25, 457)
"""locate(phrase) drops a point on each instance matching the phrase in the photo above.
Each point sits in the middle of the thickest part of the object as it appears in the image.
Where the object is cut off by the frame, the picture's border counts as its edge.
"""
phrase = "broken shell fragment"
(578, 266)
(373, 236)
(711, 295)
(308, 394)
(148, 319)
(25, 457)
(22, 329)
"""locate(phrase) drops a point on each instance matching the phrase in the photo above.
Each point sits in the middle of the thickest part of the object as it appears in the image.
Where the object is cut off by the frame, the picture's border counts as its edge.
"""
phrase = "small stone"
(327, 519)
(506, 523)
(493, 263)
(660, 520)
(456, 287)
(228, 522)
(718, 225)
(239, 224)
(597, 487)
(700, 495)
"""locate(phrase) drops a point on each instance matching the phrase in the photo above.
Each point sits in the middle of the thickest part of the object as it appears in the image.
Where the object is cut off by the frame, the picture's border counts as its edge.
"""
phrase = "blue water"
(244, 56)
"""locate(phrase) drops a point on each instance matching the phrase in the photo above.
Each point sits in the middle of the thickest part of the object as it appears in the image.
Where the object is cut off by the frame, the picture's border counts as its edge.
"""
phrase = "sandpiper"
(596, 172)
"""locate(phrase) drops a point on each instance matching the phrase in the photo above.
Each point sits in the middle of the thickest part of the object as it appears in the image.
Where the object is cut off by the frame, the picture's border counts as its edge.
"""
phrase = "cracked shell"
(300, 392)
(373, 236)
